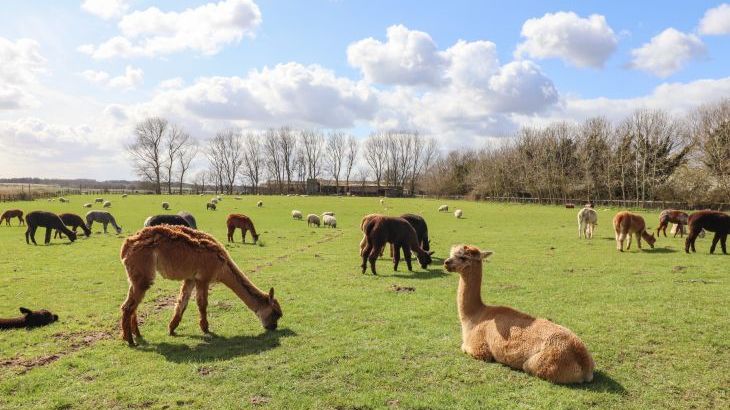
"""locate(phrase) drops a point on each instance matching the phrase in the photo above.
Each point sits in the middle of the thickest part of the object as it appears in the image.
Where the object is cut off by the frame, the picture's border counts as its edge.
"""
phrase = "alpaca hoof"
(172, 333)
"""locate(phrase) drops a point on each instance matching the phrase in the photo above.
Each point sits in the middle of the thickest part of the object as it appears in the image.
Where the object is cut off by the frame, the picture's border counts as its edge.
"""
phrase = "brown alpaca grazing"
(712, 221)
(674, 216)
(197, 259)
(29, 319)
(74, 221)
(244, 223)
(381, 230)
(12, 213)
(625, 223)
(505, 335)
(47, 220)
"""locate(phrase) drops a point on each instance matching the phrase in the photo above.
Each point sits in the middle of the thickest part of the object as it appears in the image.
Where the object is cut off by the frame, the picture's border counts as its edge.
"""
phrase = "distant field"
(655, 321)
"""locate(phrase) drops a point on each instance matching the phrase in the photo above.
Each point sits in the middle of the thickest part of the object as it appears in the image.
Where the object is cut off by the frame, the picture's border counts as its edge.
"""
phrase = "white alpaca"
(587, 221)
(296, 214)
(458, 213)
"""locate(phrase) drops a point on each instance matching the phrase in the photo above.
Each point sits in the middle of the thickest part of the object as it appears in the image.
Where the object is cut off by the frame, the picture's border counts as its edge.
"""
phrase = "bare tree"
(710, 128)
(226, 152)
(335, 154)
(350, 157)
(252, 160)
(421, 157)
(375, 156)
(185, 157)
(287, 146)
(275, 160)
(174, 141)
(146, 150)
(311, 145)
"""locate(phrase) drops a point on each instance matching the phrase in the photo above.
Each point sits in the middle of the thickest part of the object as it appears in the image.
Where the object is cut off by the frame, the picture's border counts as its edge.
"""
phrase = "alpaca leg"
(638, 240)
(230, 234)
(105, 224)
(619, 242)
(715, 239)
(395, 255)
(363, 242)
(201, 296)
(723, 242)
(48, 235)
(628, 246)
(129, 310)
(243, 235)
(365, 255)
(407, 254)
(135, 325)
(372, 258)
(182, 302)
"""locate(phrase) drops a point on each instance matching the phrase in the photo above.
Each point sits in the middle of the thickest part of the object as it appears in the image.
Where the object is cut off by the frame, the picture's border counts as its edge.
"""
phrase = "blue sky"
(308, 64)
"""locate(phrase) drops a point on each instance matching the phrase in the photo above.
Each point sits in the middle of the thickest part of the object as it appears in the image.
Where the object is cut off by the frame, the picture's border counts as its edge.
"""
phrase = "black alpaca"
(380, 230)
(712, 221)
(166, 220)
(29, 319)
(419, 224)
(47, 220)
(74, 221)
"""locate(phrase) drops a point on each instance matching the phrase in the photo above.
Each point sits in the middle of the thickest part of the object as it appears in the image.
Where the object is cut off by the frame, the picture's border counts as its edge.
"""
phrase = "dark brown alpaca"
(29, 319)
(47, 220)
(74, 222)
(12, 213)
(672, 216)
(712, 221)
(240, 221)
(380, 230)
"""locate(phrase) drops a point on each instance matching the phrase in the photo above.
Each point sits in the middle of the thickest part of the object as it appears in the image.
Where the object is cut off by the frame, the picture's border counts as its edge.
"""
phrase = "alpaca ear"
(25, 311)
(486, 254)
(271, 294)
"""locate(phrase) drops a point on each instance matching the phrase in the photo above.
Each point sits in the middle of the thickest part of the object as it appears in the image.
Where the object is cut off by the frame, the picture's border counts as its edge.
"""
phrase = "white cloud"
(471, 63)
(171, 83)
(205, 29)
(131, 78)
(19, 70)
(582, 42)
(407, 57)
(716, 21)
(106, 9)
(667, 52)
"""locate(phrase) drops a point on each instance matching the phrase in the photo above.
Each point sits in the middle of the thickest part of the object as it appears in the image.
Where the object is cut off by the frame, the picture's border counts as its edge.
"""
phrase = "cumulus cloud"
(205, 29)
(582, 42)
(131, 78)
(716, 21)
(667, 52)
(106, 9)
(21, 65)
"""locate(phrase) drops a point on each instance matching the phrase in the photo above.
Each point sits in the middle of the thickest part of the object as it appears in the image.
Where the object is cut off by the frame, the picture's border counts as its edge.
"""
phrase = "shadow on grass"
(661, 250)
(215, 347)
(602, 383)
(428, 274)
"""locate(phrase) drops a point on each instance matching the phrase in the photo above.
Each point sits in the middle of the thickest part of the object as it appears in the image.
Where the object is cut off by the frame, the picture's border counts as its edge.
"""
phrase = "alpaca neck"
(12, 323)
(469, 297)
(242, 287)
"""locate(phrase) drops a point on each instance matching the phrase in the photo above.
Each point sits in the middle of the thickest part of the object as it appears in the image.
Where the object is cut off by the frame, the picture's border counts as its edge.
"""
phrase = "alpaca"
(458, 213)
(103, 217)
(197, 259)
(668, 216)
(328, 220)
(505, 335)
(587, 221)
(259, 204)
(380, 230)
(165, 206)
(29, 319)
(419, 224)
(166, 220)
(313, 219)
(75, 222)
(364, 241)
(296, 214)
(626, 223)
(240, 221)
(12, 213)
(712, 221)
(210, 205)
(444, 208)
(189, 218)
(107, 204)
(47, 220)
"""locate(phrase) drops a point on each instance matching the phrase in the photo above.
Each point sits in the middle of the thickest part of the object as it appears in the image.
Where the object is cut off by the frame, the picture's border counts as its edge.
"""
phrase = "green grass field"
(656, 321)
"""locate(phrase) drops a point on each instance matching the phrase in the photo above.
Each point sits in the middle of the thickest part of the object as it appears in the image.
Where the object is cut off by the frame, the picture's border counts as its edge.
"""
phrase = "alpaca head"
(464, 257)
(424, 258)
(119, 230)
(72, 235)
(650, 239)
(270, 313)
(38, 318)
(255, 238)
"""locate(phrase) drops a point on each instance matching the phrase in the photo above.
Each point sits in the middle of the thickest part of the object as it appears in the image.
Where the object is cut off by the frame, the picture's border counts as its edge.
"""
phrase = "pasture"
(656, 321)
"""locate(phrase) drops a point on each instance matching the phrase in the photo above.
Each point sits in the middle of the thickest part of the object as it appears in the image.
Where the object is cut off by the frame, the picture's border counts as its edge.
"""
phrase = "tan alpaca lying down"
(502, 334)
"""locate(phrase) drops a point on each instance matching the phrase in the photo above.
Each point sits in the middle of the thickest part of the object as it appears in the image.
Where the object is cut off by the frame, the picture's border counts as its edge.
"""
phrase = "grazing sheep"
(570, 206)
(29, 319)
(328, 213)
(165, 206)
(210, 205)
(213, 200)
(444, 208)
(99, 200)
(313, 219)
(48, 220)
(458, 213)
(238, 198)
(329, 220)
(63, 200)
(296, 214)
(259, 204)
(505, 335)
(382, 201)
(87, 205)
(124, 195)
(107, 204)
(587, 220)
(103, 217)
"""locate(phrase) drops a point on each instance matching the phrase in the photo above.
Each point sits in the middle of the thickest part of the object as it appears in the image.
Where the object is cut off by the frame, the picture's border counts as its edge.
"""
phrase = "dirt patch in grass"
(259, 400)
(205, 370)
(327, 238)
(679, 268)
(78, 341)
(402, 289)
(702, 281)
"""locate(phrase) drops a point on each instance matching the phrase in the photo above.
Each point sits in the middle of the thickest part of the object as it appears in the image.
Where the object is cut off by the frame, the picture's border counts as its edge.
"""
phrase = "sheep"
(238, 198)
(210, 205)
(382, 201)
(296, 214)
(458, 213)
(330, 213)
(62, 199)
(313, 219)
(99, 200)
(124, 195)
(87, 205)
(329, 220)
(165, 206)
(213, 200)
(107, 204)
(444, 208)
(259, 204)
